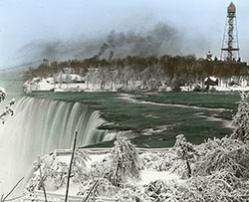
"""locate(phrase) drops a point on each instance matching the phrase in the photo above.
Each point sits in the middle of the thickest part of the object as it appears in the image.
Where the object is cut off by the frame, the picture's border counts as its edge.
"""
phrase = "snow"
(73, 190)
(147, 175)
(91, 82)
(232, 88)
(150, 175)
(155, 130)
(2, 90)
(64, 159)
(213, 78)
(225, 123)
(38, 84)
(93, 158)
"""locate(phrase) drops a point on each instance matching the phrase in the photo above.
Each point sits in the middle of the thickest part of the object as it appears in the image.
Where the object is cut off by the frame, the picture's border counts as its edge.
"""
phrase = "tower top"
(230, 43)
(231, 8)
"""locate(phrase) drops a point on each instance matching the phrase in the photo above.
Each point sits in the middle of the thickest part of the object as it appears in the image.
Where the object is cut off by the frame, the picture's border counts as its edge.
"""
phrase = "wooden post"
(70, 165)
(42, 182)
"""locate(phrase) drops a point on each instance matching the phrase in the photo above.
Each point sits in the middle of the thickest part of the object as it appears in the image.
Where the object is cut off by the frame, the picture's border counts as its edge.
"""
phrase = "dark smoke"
(59, 50)
(160, 40)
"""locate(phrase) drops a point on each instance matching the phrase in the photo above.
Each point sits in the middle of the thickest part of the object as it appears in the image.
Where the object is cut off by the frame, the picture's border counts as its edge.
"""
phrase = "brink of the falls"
(38, 127)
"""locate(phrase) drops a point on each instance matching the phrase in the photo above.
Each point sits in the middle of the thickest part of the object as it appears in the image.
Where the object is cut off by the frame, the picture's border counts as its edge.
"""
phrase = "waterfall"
(40, 126)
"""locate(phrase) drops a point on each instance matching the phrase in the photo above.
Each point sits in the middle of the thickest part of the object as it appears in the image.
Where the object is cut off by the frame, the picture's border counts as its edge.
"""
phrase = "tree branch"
(4, 199)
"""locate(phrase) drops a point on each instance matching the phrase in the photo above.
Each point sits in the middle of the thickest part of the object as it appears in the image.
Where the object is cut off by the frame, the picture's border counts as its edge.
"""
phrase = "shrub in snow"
(54, 174)
(162, 191)
(160, 161)
(155, 189)
(214, 188)
(9, 111)
(101, 169)
(149, 160)
(201, 188)
(241, 119)
(127, 195)
(211, 144)
(233, 158)
(185, 151)
(2, 94)
(104, 188)
(124, 161)
(79, 172)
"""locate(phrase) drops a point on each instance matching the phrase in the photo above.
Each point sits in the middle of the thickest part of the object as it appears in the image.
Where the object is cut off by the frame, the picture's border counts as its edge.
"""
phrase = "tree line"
(169, 69)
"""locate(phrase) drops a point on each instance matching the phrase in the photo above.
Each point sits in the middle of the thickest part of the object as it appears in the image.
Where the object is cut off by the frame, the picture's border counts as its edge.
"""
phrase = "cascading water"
(40, 126)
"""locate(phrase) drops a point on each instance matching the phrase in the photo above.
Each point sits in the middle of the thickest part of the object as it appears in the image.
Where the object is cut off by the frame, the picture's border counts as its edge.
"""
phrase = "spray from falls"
(40, 126)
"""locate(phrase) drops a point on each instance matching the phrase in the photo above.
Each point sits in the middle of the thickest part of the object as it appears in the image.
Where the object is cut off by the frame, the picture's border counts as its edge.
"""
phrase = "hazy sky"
(25, 21)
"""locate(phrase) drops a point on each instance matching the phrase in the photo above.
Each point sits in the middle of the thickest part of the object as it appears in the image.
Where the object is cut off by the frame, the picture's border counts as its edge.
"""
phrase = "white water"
(38, 127)
(131, 98)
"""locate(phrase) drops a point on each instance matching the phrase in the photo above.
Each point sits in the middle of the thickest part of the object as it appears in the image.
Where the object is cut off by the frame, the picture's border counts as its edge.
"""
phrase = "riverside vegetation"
(152, 71)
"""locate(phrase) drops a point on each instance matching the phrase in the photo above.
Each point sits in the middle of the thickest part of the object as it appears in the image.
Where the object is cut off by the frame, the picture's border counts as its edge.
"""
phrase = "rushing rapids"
(40, 126)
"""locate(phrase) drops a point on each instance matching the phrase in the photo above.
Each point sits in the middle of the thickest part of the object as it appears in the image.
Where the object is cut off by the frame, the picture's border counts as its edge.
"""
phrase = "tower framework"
(230, 44)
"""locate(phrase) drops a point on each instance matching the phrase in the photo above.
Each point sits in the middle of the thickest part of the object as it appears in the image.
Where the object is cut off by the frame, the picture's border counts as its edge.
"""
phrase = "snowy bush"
(211, 144)
(125, 162)
(2, 94)
(104, 188)
(220, 172)
(162, 191)
(53, 172)
(160, 161)
(79, 172)
(234, 159)
(101, 169)
(241, 119)
(185, 151)
(9, 111)
(213, 188)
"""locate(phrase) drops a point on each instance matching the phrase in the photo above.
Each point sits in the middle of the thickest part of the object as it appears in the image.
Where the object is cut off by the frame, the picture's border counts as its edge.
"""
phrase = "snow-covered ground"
(57, 161)
(150, 175)
(185, 172)
(67, 82)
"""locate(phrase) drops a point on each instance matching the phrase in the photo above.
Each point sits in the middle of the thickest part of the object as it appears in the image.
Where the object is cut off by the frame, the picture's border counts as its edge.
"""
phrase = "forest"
(170, 70)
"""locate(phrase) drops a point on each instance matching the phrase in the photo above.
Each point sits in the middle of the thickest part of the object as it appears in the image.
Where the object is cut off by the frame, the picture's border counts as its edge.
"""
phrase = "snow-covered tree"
(9, 111)
(241, 119)
(185, 151)
(2, 94)
(79, 165)
(125, 163)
